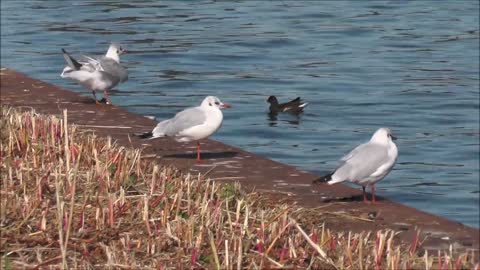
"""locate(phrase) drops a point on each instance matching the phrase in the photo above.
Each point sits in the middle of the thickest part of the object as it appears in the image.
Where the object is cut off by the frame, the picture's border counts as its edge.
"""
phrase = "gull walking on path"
(294, 106)
(368, 163)
(192, 124)
(101, 74)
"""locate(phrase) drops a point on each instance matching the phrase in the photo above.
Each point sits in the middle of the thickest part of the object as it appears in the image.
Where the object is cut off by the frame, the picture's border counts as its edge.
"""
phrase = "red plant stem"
(110, 212)
(413, 248)
(155, 202)
(282, 253)
(65, 221)
(147, 223)
(458, 262)
(332, 244)
(73, 153)
(315, 238)
(354, 244)
(194, 257)
(260, 246)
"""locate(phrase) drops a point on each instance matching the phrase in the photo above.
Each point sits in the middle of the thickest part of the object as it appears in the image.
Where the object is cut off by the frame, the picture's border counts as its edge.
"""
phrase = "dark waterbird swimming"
(294, 106)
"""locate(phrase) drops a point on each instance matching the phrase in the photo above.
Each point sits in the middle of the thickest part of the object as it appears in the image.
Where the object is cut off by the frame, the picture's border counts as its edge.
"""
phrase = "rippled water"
(408, 65)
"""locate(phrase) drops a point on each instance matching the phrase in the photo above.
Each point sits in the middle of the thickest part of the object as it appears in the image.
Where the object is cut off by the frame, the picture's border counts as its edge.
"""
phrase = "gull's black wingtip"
(74, 64)
(323, 179)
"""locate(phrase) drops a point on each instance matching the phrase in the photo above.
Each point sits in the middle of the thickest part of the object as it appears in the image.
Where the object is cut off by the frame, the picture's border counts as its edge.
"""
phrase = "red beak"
(224, 106)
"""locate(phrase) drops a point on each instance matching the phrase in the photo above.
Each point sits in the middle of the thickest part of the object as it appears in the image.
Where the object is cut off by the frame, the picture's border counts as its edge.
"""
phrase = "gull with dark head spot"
(100, 74)
(368, 163)
(192, 124)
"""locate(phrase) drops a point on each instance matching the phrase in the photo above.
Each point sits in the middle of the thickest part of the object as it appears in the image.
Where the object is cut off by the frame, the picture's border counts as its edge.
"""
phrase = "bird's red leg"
(198, 151)
(364, 195)
(373, 193)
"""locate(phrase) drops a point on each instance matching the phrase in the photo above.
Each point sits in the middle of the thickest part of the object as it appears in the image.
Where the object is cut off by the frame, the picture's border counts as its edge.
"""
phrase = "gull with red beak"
(192, 124)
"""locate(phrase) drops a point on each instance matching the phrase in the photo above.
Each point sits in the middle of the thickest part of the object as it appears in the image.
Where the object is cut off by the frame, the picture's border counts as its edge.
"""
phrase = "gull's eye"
(210, 104)
(217, 103)
(118, 51)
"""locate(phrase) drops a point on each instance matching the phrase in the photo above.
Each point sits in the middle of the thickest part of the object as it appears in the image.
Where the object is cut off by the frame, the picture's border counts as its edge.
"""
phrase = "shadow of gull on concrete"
(206, 155)
(354, 198)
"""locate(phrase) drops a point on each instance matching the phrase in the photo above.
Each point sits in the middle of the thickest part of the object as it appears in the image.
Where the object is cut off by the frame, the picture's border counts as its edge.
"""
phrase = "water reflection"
(273, 119)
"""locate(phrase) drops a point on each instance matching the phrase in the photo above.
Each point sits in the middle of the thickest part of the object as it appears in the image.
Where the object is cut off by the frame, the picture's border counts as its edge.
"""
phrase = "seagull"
(294, 106)
(192, 124)
(101, 74)
(368, 163)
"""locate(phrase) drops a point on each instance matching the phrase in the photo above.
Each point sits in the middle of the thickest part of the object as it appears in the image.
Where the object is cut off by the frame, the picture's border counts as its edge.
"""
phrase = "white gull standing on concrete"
(192, 124)
(368, 163)
(101, 74)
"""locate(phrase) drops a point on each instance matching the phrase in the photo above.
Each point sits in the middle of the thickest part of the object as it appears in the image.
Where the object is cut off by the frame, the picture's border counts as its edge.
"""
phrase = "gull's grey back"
(362, 162)
(115, 69)
(182, 121)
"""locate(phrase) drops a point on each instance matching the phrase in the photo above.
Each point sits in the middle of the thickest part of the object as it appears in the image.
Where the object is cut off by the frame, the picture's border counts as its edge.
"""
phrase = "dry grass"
(73, 200)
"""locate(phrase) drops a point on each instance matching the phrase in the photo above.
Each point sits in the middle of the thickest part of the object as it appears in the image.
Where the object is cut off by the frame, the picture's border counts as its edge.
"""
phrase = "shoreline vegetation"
(70, 199)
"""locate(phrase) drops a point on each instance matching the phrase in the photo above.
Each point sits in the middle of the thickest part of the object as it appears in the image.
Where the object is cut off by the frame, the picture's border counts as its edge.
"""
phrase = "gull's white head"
(383, 136)
(213, 102)
(114, 51)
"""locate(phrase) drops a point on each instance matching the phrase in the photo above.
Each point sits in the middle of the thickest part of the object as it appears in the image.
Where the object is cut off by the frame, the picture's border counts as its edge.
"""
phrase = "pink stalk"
(260, 246)
(439, 257)
(18, 162)
(333, 245)
(414, 245)
(73, 153)
(194, 257)
(444, 264)
(72, 190)
(85, 253)
(147, 223)
(110, 212)
(155, 202)
(283, 252)
(155, 227)
(458, 263)
(314, 236)
(65, 221)
(354, 244)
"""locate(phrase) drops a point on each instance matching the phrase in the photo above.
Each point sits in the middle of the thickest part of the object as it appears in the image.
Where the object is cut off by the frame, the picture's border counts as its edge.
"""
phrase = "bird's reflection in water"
(273, 119)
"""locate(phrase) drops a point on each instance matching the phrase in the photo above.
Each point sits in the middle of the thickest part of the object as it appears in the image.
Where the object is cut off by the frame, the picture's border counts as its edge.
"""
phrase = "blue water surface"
(412, 66)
